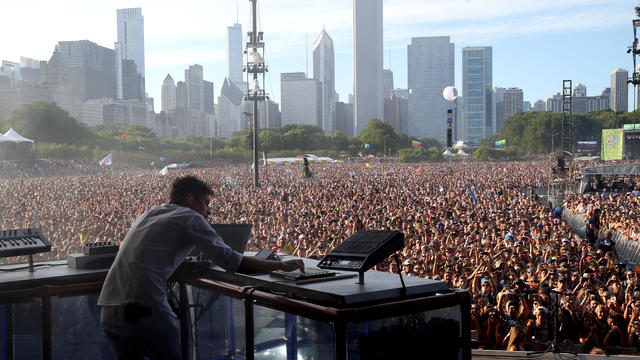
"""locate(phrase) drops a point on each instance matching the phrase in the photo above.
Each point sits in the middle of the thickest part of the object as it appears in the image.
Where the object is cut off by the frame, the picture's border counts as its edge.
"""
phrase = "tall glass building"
(130, 46)
(234, 53)
(477, 79)
(368, 82)
(324, 73)
(430, 69)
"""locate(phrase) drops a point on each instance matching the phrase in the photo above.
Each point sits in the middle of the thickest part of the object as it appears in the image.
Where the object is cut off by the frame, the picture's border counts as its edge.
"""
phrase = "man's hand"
(253, 265)
(291, 265)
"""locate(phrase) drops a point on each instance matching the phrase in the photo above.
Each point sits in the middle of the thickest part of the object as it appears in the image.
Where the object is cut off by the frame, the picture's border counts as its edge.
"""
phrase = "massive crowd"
(476, 226)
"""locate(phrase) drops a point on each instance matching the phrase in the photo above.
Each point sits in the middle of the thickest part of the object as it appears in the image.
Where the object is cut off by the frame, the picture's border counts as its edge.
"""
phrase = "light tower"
(634, 50)
(255, 66)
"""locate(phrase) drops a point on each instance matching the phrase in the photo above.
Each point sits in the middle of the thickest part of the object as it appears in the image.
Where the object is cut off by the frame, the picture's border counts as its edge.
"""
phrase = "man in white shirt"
(136, 316)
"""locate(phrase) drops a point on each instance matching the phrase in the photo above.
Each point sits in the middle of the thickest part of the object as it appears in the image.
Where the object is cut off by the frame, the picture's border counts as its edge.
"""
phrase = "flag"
(164, 171)
(367, 165)
(124, 136)
(473, 196)
(501, 143)
(416, 144)
(106, 161)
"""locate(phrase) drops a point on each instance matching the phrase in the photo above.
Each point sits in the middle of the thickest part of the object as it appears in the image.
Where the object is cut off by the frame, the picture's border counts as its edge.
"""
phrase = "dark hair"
(187, 185)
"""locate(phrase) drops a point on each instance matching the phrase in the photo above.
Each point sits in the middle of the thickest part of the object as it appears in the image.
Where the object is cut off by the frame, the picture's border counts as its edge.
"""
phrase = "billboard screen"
(587, 146)
(612, 144)
(632, 144)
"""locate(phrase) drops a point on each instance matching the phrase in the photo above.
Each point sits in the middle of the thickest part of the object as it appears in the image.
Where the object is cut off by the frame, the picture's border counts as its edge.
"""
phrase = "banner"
(612, 140)
(501, 143)
(416, 144)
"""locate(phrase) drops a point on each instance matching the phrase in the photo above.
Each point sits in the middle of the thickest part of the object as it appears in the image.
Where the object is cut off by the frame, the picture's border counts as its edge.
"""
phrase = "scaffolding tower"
(567, 129)
(255, 66)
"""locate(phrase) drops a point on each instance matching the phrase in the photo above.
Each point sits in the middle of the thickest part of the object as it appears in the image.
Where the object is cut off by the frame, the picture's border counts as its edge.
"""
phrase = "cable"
(404, 288)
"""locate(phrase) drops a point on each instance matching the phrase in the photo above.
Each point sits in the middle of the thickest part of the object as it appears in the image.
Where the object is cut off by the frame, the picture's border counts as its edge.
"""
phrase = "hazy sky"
(536, 43)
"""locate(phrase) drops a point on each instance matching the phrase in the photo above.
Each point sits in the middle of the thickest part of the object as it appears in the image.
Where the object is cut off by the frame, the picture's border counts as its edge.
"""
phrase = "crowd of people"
(476, 226)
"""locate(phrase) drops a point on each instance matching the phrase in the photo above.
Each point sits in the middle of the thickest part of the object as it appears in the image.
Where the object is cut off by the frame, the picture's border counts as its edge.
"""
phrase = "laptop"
(234, 235)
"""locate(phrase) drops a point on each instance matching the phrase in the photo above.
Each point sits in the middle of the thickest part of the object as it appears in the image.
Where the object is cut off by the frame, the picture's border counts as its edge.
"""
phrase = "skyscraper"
(168, 94)
(619, 90)
(368, 82)
(579, 90)
(540, 105)
(324, 73)
(195, 88)
(90, 68)
(513, 101)
(229, 110)
(477, 78)
(497, 110)
(387, 78)
(430, 69)
(181, 95)
(207, 92)
(130, 46)
(299, 99)
(234, 53)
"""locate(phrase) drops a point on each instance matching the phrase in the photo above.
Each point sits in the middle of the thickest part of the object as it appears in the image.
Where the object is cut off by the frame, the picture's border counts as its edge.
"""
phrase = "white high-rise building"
(368, 83)
(299, 99)
(540, 105)
(430, 69)
(619, 90)
(234, 53)
(130, 46)
(513, 101)
(324, 73)
(168, 94)
(193, 77)
(579, 90)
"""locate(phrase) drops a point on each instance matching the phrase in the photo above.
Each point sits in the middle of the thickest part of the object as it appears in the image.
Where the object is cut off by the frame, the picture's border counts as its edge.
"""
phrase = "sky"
(536, 43)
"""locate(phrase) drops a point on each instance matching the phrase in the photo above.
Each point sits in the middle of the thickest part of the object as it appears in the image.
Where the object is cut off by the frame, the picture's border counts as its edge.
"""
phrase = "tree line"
(60, 136)
(57, 135)
(540, 132)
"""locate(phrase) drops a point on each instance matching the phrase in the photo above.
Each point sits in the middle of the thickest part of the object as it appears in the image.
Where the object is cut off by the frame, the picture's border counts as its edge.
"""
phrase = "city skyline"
(583, 40)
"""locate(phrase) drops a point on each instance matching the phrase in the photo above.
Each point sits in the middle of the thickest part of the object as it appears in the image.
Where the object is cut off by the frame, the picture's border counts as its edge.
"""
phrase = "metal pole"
(254, 40)
(256, 182)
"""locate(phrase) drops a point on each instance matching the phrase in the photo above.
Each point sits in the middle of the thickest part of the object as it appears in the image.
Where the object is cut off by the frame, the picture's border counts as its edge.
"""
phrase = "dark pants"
(152, 335)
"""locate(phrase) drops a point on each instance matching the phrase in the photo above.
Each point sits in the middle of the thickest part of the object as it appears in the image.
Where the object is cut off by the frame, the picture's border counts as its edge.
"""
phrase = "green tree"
(338, 141)
(46, 122)
(379, 135)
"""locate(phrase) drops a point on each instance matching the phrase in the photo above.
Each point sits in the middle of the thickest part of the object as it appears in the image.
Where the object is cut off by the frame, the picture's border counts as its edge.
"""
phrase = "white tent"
(462, 153)
(12, 135)
(5, 139)
(459, 145)
(447, 153)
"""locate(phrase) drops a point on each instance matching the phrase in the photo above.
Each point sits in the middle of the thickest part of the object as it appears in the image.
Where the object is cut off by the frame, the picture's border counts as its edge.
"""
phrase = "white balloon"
(450, 93)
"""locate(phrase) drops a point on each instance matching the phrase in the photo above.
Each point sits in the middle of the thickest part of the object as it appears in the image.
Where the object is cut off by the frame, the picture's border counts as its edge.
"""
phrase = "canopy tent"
(459, 145)
(13, 135)
(461, 153)
(5, 139)
(447, 153)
